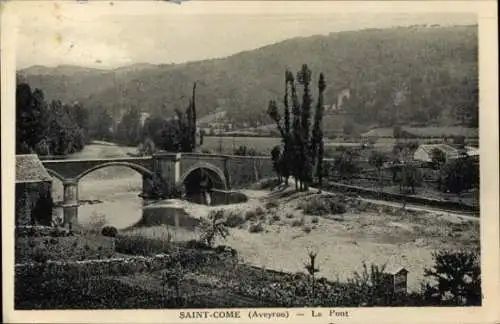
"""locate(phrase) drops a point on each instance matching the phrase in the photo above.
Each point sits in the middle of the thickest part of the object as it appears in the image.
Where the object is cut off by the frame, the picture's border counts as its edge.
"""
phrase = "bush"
(276, 218)
(138, 244)
(235, 219)
(109, 231)
(256, 214)
(298, 222)
(271, 204)
(321, 206)
(268, 183)
(315, 220)
(256, 228)
(197, 245)
(458, 275)
(307, 229)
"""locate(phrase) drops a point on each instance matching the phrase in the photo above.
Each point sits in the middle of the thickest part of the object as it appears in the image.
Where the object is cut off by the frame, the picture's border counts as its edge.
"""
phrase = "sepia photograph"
(200, 155)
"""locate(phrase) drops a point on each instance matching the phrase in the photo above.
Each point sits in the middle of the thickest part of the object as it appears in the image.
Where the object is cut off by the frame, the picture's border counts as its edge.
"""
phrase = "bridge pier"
(70, 203)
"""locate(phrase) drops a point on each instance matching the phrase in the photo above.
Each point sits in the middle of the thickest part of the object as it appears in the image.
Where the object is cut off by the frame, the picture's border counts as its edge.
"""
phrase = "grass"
(71, 248)
(139, 244)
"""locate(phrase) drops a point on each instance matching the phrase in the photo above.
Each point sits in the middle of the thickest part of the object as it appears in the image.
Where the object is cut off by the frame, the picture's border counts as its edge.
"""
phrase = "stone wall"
(33, 203)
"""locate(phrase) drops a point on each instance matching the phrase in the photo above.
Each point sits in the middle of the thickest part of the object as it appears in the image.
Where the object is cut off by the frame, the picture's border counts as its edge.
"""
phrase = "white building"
(424, 152)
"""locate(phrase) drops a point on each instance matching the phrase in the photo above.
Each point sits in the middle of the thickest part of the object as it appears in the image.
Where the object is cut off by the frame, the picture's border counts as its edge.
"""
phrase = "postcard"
(251, 161)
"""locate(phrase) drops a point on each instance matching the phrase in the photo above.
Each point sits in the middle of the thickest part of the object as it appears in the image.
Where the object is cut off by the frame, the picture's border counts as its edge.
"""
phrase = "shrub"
(226, 250)
(109, 231)
(271, 204)
(214, 227)
(290, 215)
(315, 220)
(256, 228)
(458, 274)
(234, 219)
(276, 218)
(268, 183)
(321, 206)
(307, 229)
(138, 244)
(368, 288)
(197, 245)
(256, 214)
(298, 222)
(40, 254)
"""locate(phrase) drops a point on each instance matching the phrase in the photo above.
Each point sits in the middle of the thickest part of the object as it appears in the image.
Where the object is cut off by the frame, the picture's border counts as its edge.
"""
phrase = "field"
(264, 145)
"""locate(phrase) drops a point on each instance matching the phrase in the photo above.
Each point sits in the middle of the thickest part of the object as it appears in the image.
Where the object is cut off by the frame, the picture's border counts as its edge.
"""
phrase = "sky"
(104, 34)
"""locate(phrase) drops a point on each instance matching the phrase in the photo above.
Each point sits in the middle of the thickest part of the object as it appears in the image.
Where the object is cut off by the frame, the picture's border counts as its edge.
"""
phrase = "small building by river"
(33, 192)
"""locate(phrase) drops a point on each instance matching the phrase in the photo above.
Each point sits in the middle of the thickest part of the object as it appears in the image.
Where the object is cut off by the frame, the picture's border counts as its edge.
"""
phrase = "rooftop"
(29, 168)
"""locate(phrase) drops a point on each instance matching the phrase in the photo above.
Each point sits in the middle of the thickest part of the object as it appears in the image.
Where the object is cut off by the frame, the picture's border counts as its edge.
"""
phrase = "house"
(33, 192)
(424, 152)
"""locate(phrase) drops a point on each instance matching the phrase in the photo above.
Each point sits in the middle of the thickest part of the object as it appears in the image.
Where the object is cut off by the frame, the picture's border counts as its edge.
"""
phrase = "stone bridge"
(162, 173)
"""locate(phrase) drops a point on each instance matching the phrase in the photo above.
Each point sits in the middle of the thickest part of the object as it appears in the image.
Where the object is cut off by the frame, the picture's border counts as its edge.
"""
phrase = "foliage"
(256, 228)
(272, 204)
(321, 205)
(458, 175)
(54, 129)
(129, 129)
(298, 222)
(302, 148)
(214, 227)
(175, 134)
(377, 159)
(458, 276)
(369, 287)
(421, 74)
(141, 245)
(438, 157)
(345, 165)
(234, 219)
(59, 247)
(109, 231)
(410, 177)
(243, 150)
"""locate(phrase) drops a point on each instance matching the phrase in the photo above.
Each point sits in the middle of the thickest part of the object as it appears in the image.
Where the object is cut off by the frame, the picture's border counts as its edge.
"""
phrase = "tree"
(212, 228)
(345, 163)
(192, 124)
(457, 273)
(276, 156)
(31, 120)
(129, 129)
(458, 175)
(300, 148)
(202, 136)
(317, 144)
(377, 160)
(438, 157)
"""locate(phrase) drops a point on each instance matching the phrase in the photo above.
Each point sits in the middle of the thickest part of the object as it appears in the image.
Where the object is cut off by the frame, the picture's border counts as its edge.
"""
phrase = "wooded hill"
(398, 75)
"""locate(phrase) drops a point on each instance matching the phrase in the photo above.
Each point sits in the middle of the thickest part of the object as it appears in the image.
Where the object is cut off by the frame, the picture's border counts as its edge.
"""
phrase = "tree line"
(58, 129)
(48, 128)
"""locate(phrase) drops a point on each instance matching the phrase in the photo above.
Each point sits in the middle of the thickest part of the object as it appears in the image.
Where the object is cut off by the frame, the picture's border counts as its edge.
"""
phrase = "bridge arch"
(136, 167)
(56, 175)
(215, 174)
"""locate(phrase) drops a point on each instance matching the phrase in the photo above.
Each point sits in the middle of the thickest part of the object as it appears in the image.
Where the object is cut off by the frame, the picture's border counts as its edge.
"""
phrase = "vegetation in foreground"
(204, 275)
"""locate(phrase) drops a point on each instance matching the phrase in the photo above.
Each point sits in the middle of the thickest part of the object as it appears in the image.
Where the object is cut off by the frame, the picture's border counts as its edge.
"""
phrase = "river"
(110, 193)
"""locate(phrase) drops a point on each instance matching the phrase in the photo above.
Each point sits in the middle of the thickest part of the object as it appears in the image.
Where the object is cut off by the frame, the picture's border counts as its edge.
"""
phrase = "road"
(415, 207)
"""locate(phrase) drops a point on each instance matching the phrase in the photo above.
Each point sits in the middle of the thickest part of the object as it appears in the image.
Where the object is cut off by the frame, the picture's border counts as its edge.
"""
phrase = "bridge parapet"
(76, 169)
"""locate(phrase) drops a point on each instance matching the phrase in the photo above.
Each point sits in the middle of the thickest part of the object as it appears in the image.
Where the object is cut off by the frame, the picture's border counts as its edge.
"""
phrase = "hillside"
(411, 75)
